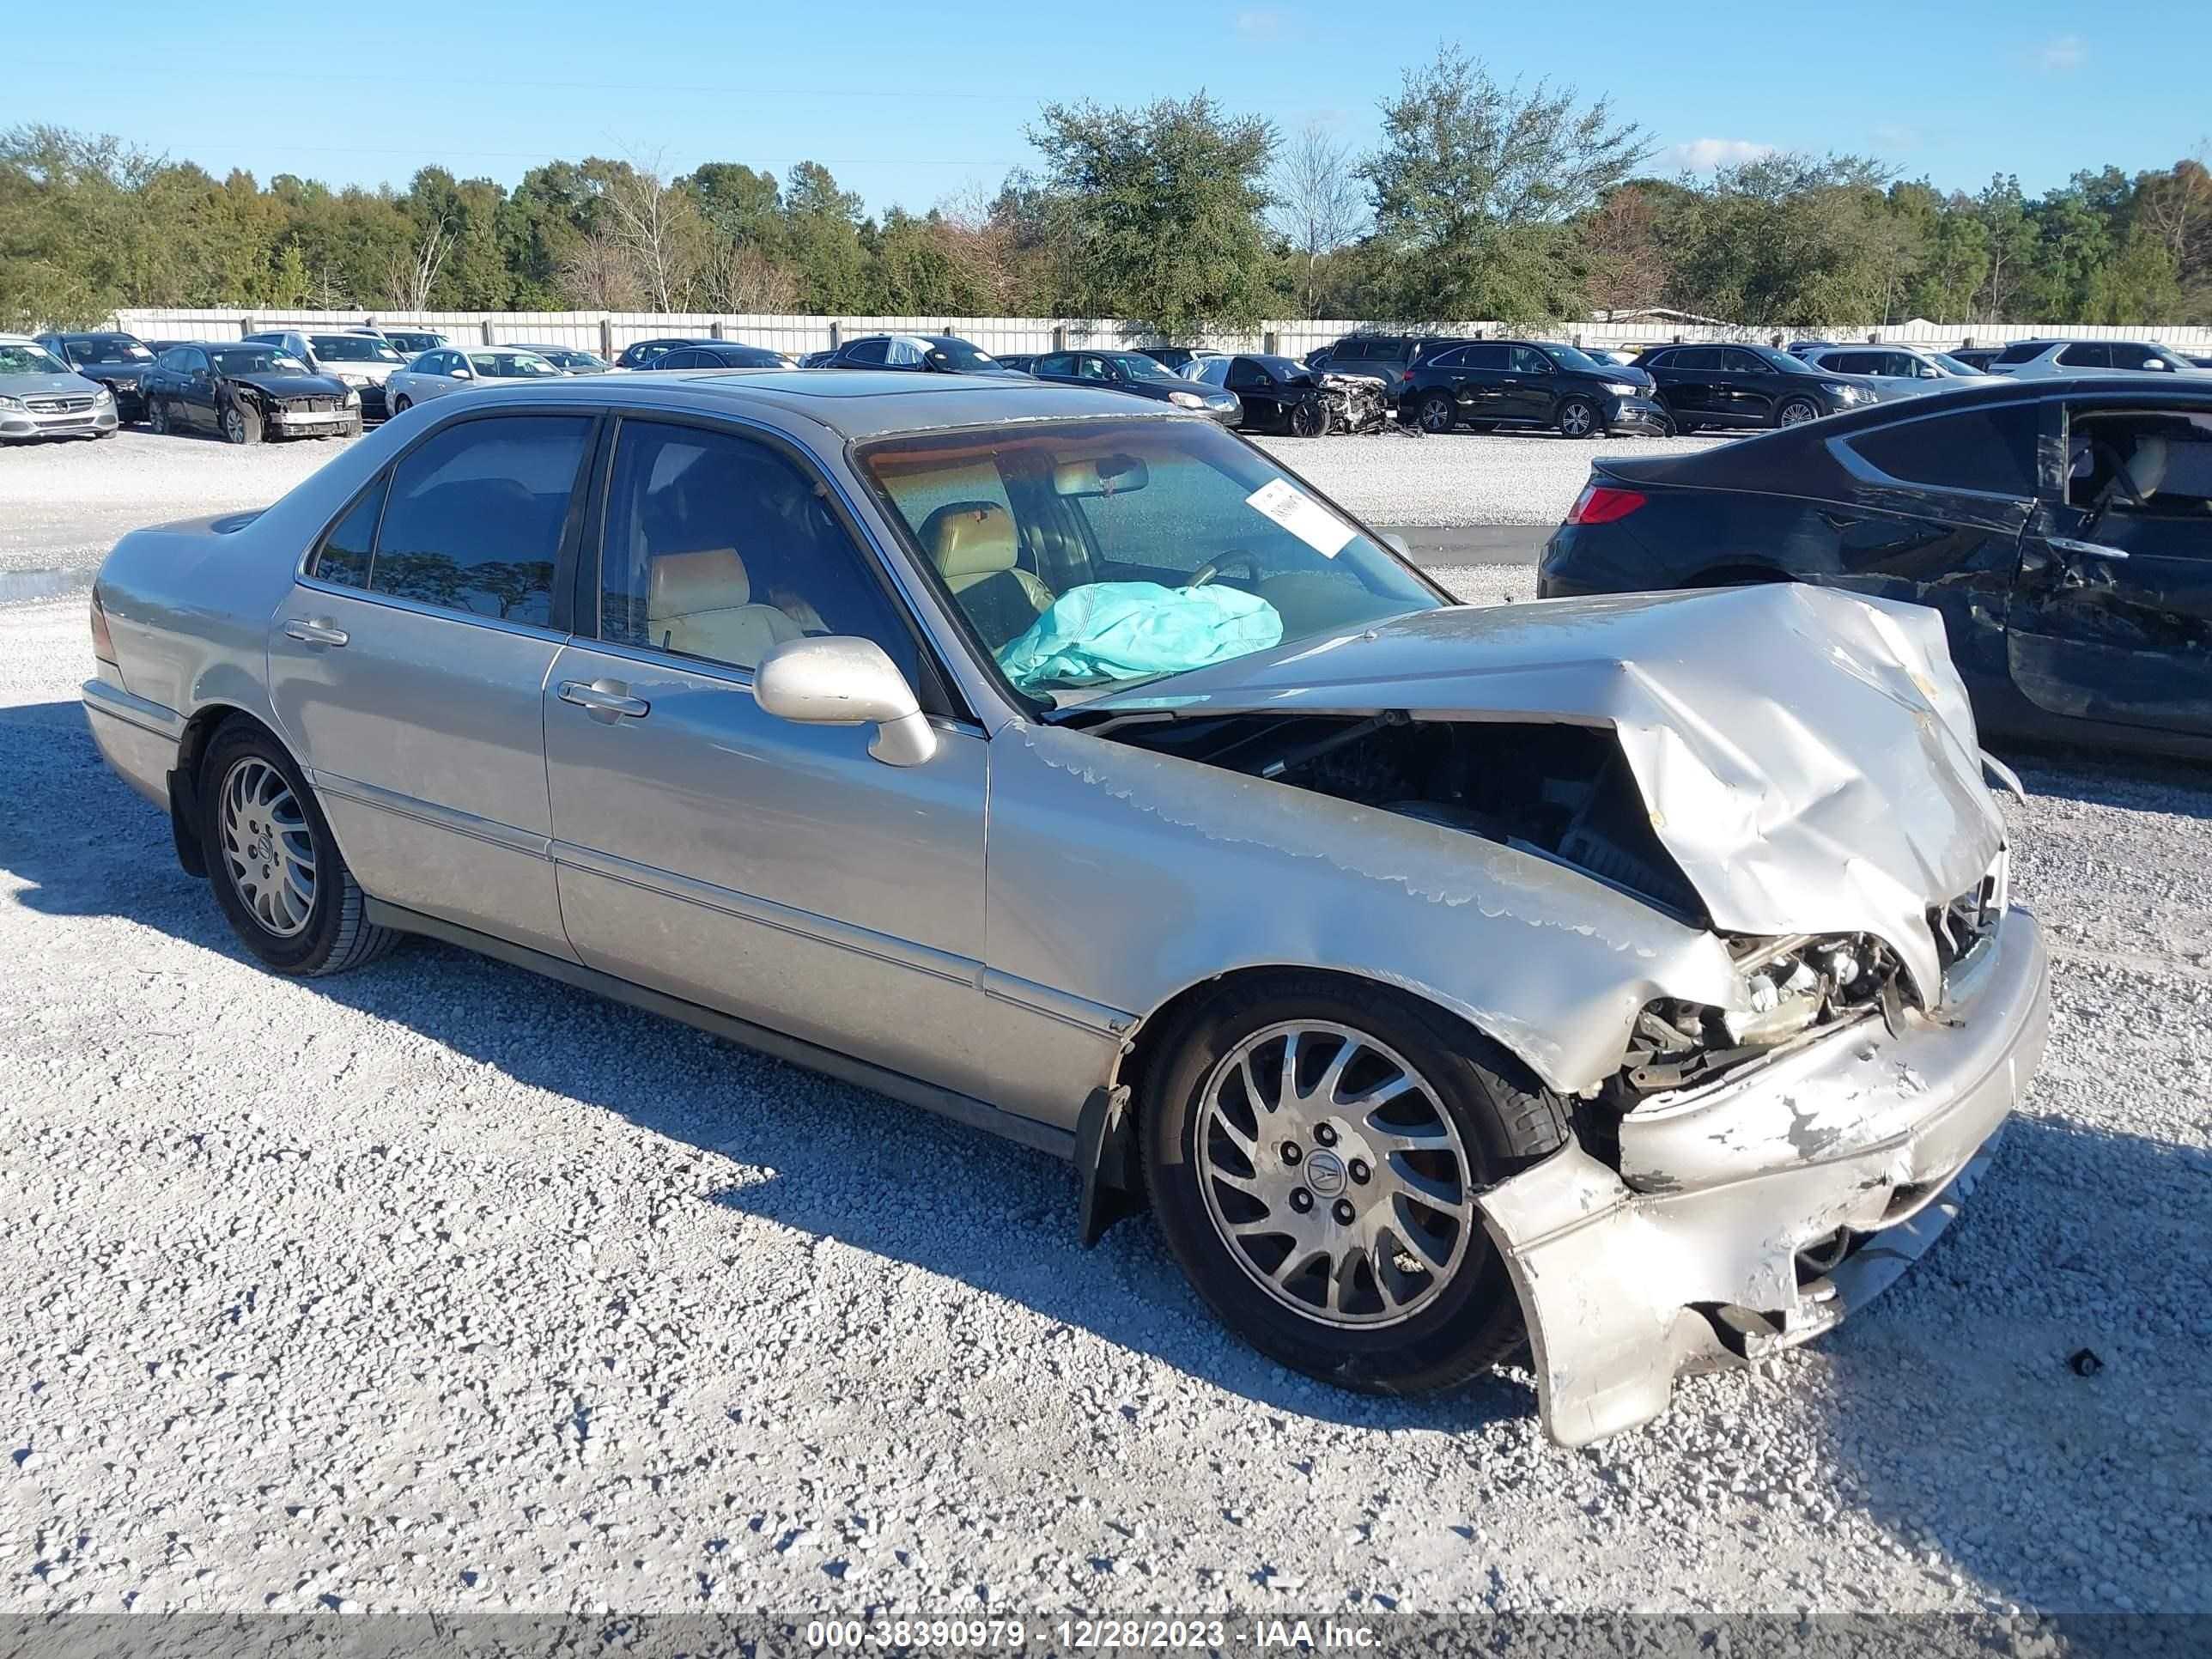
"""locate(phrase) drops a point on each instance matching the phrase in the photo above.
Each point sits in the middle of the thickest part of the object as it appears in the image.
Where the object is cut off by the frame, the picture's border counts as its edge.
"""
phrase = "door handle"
(2086, 550)
(314, 632)
(605, 700)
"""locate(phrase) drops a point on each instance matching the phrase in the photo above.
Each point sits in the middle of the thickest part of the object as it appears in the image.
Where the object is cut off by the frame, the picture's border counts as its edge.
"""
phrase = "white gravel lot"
(1463, 478)
(442, 1287)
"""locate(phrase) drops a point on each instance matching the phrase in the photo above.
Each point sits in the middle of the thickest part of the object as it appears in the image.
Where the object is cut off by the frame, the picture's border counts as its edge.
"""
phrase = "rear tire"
(240, 425)
(1437, 411)
(274, 865)
(1382, 1286)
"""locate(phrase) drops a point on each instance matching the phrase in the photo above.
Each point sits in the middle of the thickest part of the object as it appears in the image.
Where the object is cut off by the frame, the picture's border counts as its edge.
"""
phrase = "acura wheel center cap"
(1324, 1173)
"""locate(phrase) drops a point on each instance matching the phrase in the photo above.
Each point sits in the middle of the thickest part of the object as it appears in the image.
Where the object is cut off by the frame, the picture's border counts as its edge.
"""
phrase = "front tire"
(276, 866)
(1796, 411)
(240, 425)
(1578, 418)
(1309, 419)
(1437, 411)
(1314, 1148)
(157, 416)
(402, 403)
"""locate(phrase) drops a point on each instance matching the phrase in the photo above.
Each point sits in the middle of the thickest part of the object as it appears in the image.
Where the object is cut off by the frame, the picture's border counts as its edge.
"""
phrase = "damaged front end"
(1758, 1154)
(1356, 403)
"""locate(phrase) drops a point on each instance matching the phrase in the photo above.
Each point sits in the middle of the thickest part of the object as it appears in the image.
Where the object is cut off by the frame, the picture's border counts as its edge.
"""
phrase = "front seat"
(701, 603)
(973, 546)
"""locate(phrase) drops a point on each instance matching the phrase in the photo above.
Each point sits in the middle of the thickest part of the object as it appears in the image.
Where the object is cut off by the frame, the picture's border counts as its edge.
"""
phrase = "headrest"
(970, 538)
(2147, 465)
(681, 584)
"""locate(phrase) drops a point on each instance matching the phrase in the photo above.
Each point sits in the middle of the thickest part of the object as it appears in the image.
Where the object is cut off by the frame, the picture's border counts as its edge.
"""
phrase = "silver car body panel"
(853, 908)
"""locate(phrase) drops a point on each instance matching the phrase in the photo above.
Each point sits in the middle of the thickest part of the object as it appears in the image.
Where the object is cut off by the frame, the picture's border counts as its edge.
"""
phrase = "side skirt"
(912, 1092)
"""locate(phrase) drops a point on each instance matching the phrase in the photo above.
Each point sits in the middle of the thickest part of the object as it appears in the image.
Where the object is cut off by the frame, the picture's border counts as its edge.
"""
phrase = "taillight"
(1602, 504)
(1406, 375)
(103, 647)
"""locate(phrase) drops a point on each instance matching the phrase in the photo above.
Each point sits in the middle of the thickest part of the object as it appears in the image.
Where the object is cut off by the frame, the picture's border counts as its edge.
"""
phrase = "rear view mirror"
(840, 679)
(1109, 475)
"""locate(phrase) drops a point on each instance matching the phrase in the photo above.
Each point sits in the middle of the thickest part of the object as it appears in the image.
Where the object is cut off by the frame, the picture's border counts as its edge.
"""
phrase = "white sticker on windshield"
(1303, 516)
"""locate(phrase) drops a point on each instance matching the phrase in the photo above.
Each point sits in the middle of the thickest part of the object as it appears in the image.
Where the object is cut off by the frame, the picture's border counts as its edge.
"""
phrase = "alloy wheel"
(268, 850)
(234, 426)
(1333, 1175)
(1575, 419)
(1436, 414)
(1797, 411)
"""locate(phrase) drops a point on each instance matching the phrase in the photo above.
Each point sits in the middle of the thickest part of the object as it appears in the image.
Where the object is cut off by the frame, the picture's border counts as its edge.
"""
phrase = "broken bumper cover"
(1689, 1257)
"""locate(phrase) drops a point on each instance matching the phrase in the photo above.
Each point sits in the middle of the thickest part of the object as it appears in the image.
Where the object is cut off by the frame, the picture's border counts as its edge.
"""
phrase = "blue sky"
(911, 103)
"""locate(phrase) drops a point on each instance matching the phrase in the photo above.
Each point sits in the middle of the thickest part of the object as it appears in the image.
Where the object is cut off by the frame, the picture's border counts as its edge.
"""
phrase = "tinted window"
(1988, 449)
(476, 516)
(866, 352)
(1214, 371)
(2086, 356)
(1528, 361)
(1059, 363)
(344, 556)
(1454, 359)
(717, 547)
(1703, 360)
(1488, 357)
(2135, 356)
(2023, 351)
(1744, 362)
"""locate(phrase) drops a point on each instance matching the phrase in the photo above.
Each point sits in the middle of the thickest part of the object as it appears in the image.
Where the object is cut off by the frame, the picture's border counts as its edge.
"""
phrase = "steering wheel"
(1207, 572)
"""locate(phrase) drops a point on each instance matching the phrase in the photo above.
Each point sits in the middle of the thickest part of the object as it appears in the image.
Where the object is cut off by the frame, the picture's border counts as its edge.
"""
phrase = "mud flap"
(184, 811)
(1595, 1276)
(1106, 1156)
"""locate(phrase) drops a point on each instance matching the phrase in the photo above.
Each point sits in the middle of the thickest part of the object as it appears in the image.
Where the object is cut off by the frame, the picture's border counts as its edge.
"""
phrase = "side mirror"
(463, 374)
(842, 680)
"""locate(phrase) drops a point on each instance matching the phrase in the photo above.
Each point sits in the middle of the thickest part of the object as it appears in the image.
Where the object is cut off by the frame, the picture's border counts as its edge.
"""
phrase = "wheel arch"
(1109, 1162)
(1743, 573)
(199, 735)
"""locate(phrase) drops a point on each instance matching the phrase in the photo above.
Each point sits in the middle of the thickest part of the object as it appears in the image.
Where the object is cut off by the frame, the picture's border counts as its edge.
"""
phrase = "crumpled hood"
(1809, 757)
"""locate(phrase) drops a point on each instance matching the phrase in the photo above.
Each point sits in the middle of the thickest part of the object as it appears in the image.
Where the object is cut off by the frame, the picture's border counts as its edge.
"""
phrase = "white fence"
(609, 332)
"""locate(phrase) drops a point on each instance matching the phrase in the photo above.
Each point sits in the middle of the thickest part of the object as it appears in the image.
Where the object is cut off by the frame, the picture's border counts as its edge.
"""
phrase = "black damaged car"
(245, 393)
(1488, 383)
(115, 360)
(2062, 528)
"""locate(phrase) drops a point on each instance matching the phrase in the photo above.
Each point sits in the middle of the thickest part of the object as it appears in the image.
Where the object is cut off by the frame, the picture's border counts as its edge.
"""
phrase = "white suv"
(2033, 359)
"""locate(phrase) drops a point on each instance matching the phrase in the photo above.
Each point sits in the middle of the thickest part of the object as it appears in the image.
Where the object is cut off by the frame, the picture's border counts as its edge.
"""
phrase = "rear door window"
(476, 514)
(2087, 354)
(865, 353)
(1491, 357)
(1989, 450)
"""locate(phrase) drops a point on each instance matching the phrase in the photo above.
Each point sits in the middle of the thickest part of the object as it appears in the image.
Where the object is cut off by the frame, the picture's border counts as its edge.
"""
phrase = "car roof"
(852, 403)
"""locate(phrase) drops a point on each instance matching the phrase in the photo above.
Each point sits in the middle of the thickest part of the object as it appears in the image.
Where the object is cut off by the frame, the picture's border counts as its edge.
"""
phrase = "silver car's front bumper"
(58, 423)
(1688, 1256)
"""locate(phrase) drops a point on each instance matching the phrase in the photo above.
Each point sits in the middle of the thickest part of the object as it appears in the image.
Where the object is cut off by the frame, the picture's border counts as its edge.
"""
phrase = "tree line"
(1481, 199)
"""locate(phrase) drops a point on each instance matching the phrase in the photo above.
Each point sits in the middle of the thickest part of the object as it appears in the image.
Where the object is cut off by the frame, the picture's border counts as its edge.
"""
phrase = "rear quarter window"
(1989, 450)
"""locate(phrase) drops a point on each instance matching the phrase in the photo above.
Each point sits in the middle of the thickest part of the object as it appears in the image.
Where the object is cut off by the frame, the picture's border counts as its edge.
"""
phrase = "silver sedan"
(459, 368)
(1638, 973)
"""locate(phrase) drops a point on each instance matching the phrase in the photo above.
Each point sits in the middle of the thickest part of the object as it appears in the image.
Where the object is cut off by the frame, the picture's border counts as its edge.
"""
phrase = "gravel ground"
(439, 1286)
(64, 505)
(1464, 478)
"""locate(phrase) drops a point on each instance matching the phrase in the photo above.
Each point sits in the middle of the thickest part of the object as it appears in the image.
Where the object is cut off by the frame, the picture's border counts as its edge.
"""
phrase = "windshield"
(1085, 555)
(511, 365)
(1568, 356)
(21, 357)
(573, 360)
(257, 360)
(1784, 361)
(1951, 365)
(1138, 367)
(353, 349)
(959, 354)
(108, 351)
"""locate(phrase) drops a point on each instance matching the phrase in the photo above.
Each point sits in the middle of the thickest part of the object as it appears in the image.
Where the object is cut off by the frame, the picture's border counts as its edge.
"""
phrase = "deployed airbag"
(1127, 630)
